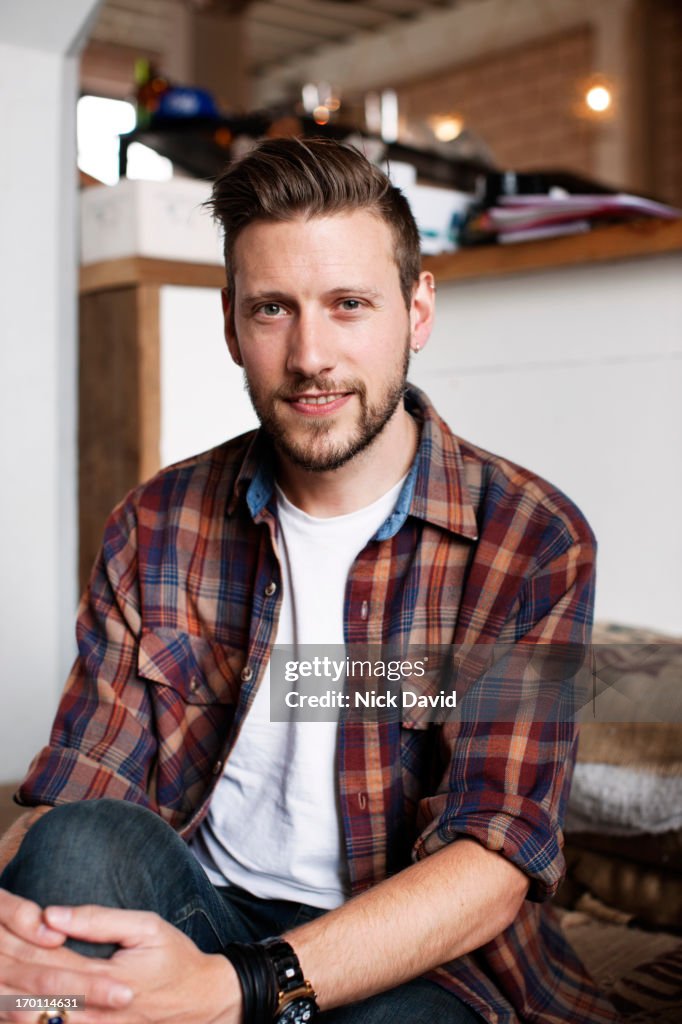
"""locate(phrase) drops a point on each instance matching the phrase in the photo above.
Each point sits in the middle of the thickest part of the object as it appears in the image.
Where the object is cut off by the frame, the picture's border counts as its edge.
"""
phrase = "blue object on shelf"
(184, 101)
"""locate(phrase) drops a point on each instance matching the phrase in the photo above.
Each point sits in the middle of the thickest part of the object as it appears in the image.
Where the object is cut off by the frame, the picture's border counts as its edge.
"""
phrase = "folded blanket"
(616, 800)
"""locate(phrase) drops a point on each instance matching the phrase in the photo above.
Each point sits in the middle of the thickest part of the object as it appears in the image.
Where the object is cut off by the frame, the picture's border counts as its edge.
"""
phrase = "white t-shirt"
(274, 823)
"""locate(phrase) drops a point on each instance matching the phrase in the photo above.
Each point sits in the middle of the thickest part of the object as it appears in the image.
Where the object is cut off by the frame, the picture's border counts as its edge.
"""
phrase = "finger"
(105, 924)
(26, 1007)
(25, 918)
(97, 990)
(25, 952)
(7, 999)
(27, 1015)
(80, 1016)
(83, 1015)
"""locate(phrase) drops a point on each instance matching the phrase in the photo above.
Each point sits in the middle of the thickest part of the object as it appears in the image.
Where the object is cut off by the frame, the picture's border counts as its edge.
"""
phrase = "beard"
(309, 445)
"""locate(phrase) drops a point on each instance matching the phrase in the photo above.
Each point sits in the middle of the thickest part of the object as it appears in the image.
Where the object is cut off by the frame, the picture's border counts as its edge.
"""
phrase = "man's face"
(323, 334)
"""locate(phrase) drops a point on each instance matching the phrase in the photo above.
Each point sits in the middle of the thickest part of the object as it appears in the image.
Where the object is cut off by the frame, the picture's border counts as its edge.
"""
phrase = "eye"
(270, 309)
(350, 305)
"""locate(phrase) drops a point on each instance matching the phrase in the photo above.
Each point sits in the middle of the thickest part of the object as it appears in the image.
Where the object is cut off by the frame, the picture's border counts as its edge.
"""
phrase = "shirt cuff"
(60, 775)
(526, 838)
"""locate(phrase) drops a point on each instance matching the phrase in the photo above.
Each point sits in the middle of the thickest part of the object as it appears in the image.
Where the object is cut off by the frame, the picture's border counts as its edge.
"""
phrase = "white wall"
(203, 401)
(577, 374)
(38, 89)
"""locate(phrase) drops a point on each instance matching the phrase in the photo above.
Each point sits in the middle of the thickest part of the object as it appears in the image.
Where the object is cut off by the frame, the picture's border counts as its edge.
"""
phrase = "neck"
(362, 480)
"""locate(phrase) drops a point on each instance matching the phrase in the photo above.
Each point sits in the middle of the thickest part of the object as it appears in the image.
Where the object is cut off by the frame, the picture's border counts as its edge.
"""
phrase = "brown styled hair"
(281, 179)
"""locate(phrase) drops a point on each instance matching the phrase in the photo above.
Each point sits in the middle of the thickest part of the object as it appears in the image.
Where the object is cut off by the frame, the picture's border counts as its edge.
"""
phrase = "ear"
(422, 310)
(228, 328)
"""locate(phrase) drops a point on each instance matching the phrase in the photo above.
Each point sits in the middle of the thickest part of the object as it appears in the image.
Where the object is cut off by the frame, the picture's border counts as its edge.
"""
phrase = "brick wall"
(523, 102)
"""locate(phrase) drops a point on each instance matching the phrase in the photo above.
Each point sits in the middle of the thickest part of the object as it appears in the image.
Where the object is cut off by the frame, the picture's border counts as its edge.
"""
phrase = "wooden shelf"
(140, 270)
(645, 237)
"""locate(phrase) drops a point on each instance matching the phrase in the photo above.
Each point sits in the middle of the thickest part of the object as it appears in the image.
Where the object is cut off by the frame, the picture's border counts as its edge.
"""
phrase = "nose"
(311, 348)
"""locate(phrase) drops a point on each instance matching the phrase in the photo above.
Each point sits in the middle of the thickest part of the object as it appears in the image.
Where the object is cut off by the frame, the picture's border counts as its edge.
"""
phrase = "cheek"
(262, 367)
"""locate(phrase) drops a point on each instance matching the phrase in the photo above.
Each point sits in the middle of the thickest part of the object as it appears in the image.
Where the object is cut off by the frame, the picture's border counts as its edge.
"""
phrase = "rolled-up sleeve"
(506, 780)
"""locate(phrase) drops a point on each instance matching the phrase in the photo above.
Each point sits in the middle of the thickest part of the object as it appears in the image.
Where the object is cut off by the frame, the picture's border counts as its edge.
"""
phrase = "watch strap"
(291, 983)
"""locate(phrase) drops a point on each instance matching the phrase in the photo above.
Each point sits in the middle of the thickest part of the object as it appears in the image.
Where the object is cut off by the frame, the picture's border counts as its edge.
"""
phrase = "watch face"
(298, 1011)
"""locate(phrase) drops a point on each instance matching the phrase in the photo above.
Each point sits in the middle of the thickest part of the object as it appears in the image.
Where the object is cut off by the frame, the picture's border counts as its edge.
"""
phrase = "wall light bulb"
(446, 127)
(598, 98)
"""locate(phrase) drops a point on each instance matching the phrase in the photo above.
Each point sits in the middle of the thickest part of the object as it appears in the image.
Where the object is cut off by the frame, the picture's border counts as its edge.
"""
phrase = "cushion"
(628, 778)
(624, 820)
(640, 972)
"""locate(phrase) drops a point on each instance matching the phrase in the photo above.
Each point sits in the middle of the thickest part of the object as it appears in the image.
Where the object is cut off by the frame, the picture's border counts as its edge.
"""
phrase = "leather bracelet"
(234, 954)
(257, 979)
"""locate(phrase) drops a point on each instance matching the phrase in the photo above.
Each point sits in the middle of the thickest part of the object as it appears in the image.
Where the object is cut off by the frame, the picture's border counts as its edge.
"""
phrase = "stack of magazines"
(521, 218)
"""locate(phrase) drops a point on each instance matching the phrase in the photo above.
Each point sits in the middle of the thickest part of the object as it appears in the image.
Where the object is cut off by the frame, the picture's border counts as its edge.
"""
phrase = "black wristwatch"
(296, 1002)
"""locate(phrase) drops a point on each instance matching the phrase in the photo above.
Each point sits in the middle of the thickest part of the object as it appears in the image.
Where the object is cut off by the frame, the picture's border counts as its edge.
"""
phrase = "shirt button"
(194, 684)
(362, 801)
(246, 673)
(217, 767)
(364, 610)
(270, 589)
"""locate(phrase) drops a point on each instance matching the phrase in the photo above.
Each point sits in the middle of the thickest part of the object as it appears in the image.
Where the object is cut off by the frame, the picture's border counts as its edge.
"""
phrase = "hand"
(171, 979)
(33, 961)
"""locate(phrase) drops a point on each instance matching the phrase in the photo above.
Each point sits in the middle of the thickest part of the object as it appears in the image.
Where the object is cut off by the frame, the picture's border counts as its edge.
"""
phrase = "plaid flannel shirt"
(175, 630)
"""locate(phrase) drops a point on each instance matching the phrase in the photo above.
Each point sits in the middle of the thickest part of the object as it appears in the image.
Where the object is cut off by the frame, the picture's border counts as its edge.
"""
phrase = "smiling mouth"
(317, 406)
(318, 399)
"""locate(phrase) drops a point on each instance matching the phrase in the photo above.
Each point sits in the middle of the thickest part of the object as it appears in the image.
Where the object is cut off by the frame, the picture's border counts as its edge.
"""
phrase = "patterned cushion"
(653, 991)
(640, 971)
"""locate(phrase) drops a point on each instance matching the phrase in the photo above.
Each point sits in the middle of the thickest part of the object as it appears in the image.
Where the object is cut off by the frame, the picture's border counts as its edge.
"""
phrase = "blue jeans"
(117, 854)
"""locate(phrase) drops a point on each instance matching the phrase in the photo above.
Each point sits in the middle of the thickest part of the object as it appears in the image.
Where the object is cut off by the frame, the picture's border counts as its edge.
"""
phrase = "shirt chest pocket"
(199, 671)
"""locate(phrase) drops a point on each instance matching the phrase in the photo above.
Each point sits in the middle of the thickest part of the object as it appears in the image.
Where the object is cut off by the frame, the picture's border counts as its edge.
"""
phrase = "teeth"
(321, 400)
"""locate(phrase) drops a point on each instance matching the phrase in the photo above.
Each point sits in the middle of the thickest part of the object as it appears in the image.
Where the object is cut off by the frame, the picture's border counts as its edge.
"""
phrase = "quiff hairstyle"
(281, 179)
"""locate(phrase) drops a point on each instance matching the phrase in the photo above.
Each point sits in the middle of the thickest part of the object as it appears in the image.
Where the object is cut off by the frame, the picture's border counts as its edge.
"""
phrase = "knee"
(84, 852)
(88, 850)
(93, 830)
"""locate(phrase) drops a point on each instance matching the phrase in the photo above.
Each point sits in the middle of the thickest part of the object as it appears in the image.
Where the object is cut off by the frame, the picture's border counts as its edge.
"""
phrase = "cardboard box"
(161, 219)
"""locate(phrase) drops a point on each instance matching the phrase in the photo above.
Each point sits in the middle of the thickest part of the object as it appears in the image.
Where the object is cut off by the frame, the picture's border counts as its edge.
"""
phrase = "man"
(353, 516)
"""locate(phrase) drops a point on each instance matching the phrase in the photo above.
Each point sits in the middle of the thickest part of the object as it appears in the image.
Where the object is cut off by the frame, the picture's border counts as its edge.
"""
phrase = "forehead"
(320, 247)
